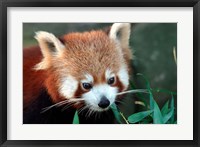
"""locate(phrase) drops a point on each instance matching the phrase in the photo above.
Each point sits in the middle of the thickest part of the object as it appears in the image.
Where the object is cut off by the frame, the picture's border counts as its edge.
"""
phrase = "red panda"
(91, 66)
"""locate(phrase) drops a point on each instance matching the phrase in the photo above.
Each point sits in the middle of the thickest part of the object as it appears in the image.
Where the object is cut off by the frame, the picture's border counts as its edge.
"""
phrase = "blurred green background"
(152, 44)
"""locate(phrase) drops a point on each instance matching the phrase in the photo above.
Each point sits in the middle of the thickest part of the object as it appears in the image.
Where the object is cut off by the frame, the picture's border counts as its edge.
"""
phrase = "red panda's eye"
(87, 86)
(111, 81)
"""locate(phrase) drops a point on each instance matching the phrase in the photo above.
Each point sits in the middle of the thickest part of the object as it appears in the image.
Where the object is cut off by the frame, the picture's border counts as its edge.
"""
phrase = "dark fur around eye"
(87, 86)
(111, 81)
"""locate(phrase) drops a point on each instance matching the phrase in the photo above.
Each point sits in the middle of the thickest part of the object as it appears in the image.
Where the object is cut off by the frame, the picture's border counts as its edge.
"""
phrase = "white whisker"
(68, 106)
(96, 114)
(62, 103)
(134, 91)
(88, 112)
(91, 112)
(82, 109)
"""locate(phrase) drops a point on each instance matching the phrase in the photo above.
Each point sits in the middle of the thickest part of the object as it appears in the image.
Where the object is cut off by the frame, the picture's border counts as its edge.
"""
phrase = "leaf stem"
(124, 117)
(174, 53)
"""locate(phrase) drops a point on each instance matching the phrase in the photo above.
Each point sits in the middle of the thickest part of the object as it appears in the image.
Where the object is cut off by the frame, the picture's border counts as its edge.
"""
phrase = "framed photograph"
(99, 73)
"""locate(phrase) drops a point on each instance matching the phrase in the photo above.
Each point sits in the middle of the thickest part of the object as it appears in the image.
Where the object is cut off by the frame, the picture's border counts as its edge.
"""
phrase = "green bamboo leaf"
(157, 116)
(165, 109)
(151, 99)
(134, 118)
(149, 89)
(147, 120)
(139, 95)
(172, 109)
(116, 113)
(167, 116)
(76, 118)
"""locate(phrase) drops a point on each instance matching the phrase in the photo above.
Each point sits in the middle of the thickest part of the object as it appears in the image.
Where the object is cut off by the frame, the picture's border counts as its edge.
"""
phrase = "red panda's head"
(91, 65)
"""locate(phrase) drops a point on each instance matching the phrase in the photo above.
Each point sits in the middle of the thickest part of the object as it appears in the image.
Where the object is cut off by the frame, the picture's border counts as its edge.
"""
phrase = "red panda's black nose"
(104, 102)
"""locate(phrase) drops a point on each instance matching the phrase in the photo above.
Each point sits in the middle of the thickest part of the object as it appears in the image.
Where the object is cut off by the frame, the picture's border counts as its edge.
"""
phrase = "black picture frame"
(4, 4)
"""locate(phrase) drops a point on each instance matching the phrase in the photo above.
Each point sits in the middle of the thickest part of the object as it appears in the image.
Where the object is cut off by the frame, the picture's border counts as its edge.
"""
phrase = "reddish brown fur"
(92, 52)
(119, 84)
(36, 80)
(32, 80)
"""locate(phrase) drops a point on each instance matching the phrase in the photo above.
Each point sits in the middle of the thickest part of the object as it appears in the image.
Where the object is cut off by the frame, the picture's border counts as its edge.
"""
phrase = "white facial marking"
(123, 75)
(109, 74)
(68, 87)
(89, 79)
(93, 97)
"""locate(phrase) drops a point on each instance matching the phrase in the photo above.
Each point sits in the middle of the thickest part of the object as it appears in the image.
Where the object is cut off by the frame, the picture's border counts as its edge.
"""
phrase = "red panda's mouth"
(93, 109)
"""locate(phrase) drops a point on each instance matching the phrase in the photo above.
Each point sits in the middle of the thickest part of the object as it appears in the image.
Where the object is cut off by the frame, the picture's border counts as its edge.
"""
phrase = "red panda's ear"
(120, 32)
(50, 47)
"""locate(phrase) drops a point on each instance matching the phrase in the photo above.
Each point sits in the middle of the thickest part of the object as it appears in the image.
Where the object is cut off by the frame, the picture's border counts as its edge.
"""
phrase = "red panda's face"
(101, 96)
(91, 65)
(98, 92)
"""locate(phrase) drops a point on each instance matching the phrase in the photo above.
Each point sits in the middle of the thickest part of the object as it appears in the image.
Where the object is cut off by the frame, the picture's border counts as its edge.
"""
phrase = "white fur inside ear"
(50, 47)
(123, 76)
(44, 39)
(124, 30)
(68, 87)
